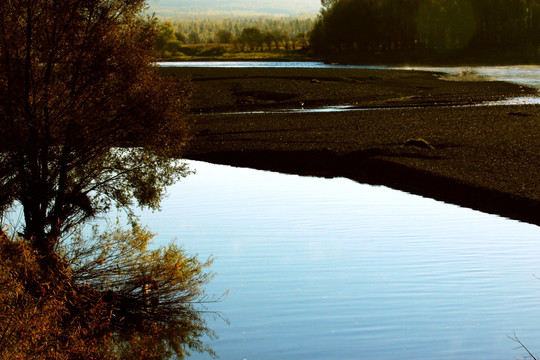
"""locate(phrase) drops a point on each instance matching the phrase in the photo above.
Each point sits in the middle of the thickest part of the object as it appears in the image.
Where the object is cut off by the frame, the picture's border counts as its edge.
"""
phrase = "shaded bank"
(482, 157)
(367, 168)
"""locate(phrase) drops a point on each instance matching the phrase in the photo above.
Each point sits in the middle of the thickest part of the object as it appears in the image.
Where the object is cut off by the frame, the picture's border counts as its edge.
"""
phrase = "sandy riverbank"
(483, 157)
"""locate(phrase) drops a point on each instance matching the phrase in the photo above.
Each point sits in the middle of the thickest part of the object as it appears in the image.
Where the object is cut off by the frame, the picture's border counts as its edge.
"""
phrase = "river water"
(332, 269)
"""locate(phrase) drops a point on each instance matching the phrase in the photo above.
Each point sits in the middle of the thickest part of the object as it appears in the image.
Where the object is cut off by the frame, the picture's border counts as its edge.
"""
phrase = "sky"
(235, 7)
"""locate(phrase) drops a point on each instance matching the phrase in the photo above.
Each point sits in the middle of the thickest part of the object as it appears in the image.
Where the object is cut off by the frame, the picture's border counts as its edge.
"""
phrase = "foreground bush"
(114, 299)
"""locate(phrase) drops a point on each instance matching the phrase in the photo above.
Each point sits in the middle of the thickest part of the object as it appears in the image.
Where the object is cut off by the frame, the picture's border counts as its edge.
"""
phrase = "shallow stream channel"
(524, 75)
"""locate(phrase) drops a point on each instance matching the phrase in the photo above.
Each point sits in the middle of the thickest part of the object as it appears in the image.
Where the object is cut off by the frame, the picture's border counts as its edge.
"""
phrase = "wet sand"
(479, 156)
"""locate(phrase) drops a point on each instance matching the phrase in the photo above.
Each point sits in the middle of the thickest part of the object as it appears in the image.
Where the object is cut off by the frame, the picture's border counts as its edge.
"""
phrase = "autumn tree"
(300, 40)
(269, 39)
(86, 123)
(224, 36)
(194, 38)
(281, 37)
(122, 299)
(252, 37)
(165, 36)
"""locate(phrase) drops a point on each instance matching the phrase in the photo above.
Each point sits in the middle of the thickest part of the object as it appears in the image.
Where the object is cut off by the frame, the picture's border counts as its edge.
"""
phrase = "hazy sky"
(277, 7)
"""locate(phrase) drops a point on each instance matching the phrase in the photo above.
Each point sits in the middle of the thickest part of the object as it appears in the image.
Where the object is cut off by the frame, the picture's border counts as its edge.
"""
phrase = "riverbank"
(483, 157)
(216, 55)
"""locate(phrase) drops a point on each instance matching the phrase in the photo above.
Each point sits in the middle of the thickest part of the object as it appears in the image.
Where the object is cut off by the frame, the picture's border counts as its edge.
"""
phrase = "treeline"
(442, 28)
(206, 29)
(243, 33)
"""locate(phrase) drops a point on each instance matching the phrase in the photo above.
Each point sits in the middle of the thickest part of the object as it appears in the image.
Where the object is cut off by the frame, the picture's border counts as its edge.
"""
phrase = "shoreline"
(355, 61)
(481, 157)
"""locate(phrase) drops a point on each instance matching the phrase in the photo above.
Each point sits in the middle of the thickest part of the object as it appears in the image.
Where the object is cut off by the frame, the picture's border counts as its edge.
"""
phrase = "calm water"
(332, 269)
(263, 64)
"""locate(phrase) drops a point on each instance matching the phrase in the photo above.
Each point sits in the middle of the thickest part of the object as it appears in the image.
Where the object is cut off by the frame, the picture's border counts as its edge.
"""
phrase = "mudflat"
(420, 132)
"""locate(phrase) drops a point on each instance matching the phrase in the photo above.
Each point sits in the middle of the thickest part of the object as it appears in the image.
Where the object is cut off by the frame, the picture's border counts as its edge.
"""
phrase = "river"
(332, 269)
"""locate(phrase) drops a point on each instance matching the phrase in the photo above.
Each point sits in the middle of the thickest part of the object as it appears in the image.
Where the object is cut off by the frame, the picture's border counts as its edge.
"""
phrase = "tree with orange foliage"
(118, 300)
(86, 123)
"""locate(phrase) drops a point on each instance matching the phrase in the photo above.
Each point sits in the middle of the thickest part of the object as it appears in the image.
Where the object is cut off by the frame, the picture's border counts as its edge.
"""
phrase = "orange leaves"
(76, 82)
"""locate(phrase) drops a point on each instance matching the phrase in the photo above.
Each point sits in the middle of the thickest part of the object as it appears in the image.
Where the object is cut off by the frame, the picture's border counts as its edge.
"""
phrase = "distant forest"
(208, 30)
(232, 35)
(438, 30)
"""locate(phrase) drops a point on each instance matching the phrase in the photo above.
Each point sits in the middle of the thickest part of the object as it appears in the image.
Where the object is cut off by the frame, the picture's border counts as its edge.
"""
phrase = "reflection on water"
(332, 269)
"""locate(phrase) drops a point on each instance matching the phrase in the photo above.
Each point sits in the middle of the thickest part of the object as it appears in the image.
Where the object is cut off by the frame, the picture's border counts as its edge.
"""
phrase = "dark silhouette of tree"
(268, 39)
(86, 123)
(446, 25)
(299, 39)
(281, 38)
(194, 38)
(180, 36)
(374, 27)
(224, 36)
(252, 37)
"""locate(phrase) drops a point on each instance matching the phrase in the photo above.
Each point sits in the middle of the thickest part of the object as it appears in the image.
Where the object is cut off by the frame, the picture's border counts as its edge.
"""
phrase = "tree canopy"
(86, 123)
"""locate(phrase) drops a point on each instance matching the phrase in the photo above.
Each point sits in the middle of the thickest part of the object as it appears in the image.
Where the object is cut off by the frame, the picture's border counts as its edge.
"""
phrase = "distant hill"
(179, 8)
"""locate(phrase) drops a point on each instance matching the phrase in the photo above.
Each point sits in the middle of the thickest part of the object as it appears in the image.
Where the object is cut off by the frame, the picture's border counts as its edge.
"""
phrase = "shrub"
(116, 298)
(215, 51)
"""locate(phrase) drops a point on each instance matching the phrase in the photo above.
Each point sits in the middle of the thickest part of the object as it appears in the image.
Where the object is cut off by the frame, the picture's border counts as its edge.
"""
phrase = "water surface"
(332, 269)
(264, 64)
